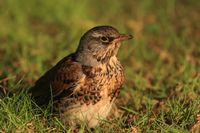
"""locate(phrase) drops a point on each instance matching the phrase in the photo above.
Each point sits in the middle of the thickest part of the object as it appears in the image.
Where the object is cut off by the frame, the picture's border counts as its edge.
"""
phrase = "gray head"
(99, 44)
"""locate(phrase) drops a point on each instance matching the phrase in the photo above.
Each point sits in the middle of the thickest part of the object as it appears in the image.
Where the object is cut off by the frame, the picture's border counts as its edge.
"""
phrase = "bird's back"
(57, 80)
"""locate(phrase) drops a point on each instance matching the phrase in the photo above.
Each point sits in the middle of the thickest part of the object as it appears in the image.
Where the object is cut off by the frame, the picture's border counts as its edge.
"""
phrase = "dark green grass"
(162, 62)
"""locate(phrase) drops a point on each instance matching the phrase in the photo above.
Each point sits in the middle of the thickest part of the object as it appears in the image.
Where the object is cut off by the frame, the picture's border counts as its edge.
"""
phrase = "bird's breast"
(95, 95)
(104, 81)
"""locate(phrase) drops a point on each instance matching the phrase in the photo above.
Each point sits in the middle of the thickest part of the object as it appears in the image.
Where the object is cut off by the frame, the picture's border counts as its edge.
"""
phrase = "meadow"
(162, 63)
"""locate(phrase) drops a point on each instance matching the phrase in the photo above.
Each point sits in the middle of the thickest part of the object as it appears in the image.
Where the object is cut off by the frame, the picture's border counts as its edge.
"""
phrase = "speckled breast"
(102, 82)
(96, 94)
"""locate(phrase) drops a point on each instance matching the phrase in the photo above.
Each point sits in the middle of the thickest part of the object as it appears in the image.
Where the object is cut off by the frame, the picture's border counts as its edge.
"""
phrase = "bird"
(84, 85)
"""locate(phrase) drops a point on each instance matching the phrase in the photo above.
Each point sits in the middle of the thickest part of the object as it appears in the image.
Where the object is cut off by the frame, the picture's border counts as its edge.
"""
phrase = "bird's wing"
(60, 80)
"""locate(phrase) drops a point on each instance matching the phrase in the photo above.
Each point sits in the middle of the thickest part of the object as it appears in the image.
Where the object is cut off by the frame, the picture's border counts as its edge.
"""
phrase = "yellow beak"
(123, 37)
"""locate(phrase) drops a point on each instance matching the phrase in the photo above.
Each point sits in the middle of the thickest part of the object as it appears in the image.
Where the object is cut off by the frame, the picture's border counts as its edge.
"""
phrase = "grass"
(162, 66)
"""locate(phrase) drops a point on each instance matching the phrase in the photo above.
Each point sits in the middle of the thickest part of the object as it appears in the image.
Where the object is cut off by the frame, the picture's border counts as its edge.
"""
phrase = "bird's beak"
(123, 37)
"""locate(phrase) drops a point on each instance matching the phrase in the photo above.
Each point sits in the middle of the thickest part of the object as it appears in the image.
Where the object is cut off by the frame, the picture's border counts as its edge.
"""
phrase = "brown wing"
(60, 80)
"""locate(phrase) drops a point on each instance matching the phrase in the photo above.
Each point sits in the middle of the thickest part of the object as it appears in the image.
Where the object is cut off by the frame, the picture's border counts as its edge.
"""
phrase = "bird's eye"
(105, 39)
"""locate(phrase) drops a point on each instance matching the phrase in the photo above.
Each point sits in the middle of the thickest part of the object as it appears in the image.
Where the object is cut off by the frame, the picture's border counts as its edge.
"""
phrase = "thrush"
(85, 84)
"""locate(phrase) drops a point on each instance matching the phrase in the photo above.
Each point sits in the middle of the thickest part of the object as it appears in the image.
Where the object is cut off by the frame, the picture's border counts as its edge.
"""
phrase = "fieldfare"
(84, 84)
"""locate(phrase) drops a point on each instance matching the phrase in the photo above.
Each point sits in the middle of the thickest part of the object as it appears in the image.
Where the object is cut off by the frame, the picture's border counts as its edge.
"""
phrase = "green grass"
(162, 62)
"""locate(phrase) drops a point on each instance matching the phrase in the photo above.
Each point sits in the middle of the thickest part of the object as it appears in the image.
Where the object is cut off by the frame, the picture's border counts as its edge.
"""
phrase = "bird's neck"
(86, 59)
(89, 60)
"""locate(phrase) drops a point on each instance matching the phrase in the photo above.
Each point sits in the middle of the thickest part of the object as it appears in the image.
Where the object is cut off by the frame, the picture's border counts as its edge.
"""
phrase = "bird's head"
(99, 44)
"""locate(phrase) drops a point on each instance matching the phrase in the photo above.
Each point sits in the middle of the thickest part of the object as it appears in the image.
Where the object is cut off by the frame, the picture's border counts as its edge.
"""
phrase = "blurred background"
(161, 62)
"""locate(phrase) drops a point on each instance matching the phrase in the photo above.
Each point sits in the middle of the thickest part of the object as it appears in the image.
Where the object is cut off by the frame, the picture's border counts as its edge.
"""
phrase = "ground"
(162, 62)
